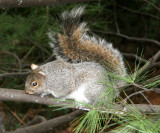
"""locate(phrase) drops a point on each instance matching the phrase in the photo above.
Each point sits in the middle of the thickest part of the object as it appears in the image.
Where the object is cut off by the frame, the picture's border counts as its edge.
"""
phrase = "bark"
(49, 124)
(2, 128)
(20, 96)
(31, 3)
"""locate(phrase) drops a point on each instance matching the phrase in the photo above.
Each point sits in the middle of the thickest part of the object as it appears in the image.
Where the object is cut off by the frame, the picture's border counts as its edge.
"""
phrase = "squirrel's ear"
(41, 75)
(33, 66)
(40, 72)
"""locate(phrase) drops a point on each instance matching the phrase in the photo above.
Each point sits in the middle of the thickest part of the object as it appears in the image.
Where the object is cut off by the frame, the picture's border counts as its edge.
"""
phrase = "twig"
(148, 101)
(139, 12)
(14, 74)
(141, 92)
(20, 96)
(152, 63)
(22, 60)
(43, 49)
(140, 86)
(131, 38)
(145, 98)
(19, 62)
(36, 120)
(157, 90)
(115, 18)
(31, 3)
(152, 5)
(2, 128)
(155, 65)
(135, 56)
(49, 59)
(14, 114)
(49, 125)
(133, 94)
(156, 57)
(106, 124)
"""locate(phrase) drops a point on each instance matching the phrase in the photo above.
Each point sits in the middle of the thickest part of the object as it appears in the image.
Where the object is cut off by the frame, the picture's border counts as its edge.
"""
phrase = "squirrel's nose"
(28, 92)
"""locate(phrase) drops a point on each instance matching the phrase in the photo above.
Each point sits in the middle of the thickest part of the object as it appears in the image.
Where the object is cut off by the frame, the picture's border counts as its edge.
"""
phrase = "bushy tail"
(77, 45)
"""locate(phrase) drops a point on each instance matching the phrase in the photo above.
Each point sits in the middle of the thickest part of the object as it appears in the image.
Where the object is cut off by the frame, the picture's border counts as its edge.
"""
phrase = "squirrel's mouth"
(29, 92)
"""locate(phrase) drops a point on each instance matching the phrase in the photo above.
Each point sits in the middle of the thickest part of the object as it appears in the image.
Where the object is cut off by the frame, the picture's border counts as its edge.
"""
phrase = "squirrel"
(80, 79)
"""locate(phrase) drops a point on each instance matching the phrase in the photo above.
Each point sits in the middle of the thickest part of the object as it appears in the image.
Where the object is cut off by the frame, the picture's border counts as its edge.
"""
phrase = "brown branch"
(115, 18)
(36, 120)
(106, 124)
(129, 55)
(151, 64)
(131, 38)
(13, 113)
(31, 3)
(20, 96)
(133, 94)
(157, 90)
(156, 57)
(2, 128)
(40, 47)
(49, 125)
(139, 12)
(143, 88)
(51, 58)
(19, 62)
(152, 5)
(13, 74)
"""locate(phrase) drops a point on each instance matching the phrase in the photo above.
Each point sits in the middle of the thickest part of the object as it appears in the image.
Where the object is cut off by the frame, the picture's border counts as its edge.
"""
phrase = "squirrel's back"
(75, 44)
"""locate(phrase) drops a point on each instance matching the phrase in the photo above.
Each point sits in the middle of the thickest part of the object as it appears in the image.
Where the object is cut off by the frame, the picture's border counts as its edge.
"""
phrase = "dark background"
(23, 38)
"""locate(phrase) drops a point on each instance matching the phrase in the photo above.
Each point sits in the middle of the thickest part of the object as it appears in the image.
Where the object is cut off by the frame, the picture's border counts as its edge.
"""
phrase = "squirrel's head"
(35, 81)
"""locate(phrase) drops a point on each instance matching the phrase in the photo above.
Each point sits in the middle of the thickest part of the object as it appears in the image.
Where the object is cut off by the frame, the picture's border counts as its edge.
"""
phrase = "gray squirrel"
(91, 57)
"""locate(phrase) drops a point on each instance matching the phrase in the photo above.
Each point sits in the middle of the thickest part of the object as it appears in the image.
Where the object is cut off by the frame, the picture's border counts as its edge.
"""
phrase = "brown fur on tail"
(77, 45)
(79, 49)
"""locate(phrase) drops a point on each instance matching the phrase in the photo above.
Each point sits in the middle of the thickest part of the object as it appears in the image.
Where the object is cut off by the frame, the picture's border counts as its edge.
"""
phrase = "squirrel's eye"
(34, 83)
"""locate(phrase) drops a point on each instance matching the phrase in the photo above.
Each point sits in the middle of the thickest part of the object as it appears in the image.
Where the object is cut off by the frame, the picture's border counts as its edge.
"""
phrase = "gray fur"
(63, 78)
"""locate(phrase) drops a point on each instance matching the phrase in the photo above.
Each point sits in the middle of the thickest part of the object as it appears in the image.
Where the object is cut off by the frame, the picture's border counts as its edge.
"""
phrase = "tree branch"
(36, 120)
(129, 55)
(9, 53)
(13, 74)
(2, 128)
(31, 3)
(151, 64)
(49, 124)
(115, 18)
(152, 5)
(130, 38)
(138, 12)
(20, 96)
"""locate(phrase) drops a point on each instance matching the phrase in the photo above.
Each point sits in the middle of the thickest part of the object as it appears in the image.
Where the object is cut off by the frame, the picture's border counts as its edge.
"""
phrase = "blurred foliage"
(23, 31)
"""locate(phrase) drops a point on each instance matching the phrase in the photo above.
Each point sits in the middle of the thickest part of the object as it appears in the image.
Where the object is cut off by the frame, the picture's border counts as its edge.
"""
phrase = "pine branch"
(20, 96)
(31, 3)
